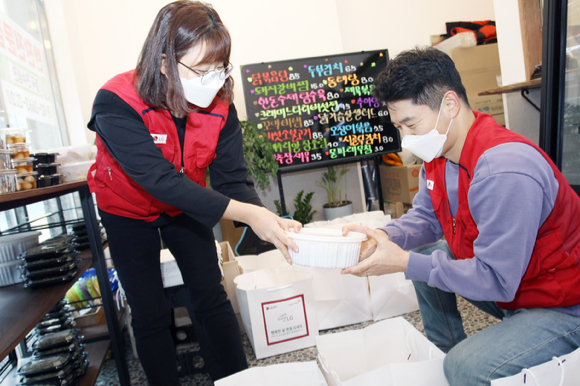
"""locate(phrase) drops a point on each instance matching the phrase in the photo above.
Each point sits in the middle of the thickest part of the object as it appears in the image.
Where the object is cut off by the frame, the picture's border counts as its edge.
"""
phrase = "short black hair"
(422, 75)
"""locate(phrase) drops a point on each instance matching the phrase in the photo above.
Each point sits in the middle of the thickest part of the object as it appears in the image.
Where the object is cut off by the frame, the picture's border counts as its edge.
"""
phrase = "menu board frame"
(320, 111)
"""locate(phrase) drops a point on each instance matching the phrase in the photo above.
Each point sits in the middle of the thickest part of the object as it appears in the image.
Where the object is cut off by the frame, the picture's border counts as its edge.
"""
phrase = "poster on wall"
(320, 111)
(24, 79)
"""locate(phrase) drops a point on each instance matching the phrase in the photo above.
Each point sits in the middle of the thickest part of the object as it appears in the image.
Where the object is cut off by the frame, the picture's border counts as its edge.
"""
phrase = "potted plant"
(333, 181)
(303, 212)
(258, 154)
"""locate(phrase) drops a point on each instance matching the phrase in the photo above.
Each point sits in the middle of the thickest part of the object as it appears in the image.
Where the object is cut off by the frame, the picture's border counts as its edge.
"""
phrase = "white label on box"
(285, 319)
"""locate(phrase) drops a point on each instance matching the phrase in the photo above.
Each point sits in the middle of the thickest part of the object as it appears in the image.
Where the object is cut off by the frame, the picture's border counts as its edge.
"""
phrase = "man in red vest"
(510, 221)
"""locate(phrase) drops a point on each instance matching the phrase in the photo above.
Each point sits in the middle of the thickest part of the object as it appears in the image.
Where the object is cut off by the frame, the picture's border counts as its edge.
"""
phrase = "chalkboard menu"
(320, 111)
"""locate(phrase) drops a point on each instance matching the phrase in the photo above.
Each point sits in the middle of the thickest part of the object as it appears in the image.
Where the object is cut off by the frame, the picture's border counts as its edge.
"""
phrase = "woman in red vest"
(511, 224)
(158, 129)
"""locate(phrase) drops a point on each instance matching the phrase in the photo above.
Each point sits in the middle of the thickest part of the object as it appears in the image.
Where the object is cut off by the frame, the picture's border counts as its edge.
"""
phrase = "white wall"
(104, 37)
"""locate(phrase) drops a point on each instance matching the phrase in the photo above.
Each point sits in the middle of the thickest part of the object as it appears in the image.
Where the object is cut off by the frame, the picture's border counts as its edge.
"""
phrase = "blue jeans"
(524, 338)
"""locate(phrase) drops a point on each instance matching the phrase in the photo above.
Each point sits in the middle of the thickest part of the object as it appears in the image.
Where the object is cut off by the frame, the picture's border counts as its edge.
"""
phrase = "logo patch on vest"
(430, 184)
(159, 138)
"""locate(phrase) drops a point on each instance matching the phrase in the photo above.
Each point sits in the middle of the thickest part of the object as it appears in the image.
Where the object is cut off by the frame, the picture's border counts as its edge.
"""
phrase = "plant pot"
(332, 212)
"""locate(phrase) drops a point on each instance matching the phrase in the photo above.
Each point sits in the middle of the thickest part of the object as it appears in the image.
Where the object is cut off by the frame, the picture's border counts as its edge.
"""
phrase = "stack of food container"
(59, 358)
(75, 161)
(16, 164)
(49, 264)
(79, 230)
(47, 168)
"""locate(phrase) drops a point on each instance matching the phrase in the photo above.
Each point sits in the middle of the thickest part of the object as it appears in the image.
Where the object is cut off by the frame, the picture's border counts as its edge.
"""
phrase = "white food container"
(73, 154)
(76, 171)
(10, 273)
(326, 248)
(12, 246)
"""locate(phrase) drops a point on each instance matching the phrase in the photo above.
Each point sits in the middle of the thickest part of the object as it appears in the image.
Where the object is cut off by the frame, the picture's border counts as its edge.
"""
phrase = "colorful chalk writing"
(320, 109)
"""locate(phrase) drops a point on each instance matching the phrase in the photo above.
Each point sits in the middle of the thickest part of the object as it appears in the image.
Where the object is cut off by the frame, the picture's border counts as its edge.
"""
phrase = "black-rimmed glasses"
(207, 76)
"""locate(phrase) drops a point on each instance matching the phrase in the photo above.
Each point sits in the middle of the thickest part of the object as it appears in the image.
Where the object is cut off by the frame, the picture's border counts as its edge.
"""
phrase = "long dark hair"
(422, 75)
(178, 27)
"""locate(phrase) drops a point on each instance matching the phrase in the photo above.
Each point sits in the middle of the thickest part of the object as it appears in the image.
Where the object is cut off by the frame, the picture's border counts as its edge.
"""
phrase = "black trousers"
(135, 248)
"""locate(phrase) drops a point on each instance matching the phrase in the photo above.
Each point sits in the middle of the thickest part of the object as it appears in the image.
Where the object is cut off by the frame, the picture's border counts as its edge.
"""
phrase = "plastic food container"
(10, 273)
(76, 171)
(12, 246)
(23, 165)
(5, 159)
(20, 150)
(61, 338)
(47, 169)
(73, 154)
(326, 248)
(45, 181)
(12, 135)
(48, 262)
(44, 158)
(46, 251)
(44, 365)
(26, 181)
(8, 181)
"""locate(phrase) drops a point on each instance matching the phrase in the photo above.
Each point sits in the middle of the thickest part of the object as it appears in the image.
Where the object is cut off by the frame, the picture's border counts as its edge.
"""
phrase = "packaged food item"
(47, 250)
(76, 171)
(23, 165)
(5, 159)
(20, 150)
(48, 262)
(70, 323)
(72, 347)
(57, 339)
(56, 270)
(75, 153)
(52, 321)
(13, 135)
(8, 181)
(48, 281)
(47, 169)
(50, 378)
(44, 158)
(52, 180)
(26, 181)
(44, 365)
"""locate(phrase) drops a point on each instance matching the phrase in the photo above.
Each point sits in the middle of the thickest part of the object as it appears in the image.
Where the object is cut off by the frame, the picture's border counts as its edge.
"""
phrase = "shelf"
(99, 329)
(27, 197)
(97, 352)
(96, 356)
(534, 83)
(28, 306)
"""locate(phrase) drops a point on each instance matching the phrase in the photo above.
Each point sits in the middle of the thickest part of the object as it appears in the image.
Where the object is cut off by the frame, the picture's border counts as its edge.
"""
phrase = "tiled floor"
(474, 320)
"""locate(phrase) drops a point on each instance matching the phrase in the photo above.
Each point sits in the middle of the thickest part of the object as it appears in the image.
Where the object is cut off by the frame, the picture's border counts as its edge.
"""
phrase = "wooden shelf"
(96, 356)
(27, 197)
(28, 306)
(534, 83)
(97, 352)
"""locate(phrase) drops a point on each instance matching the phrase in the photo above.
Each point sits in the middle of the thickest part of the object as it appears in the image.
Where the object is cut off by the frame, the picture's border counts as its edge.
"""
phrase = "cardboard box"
(479, 68)
(400, 183)
(396, 209)
(230, 233)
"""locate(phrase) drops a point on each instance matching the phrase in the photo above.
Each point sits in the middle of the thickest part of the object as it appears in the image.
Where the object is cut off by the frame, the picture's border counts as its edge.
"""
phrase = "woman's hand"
(265, 224)
(387, 258)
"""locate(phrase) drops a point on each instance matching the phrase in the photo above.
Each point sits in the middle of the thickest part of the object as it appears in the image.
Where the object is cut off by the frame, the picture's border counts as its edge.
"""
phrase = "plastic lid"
(8, 171)
(5, 151)
(18, 145)
(26, 174)
(326, 235)
(17, 237)
(23, 160)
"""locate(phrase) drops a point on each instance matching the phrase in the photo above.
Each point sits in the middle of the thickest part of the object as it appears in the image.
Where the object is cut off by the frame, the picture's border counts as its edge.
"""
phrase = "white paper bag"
(277, 309)
(388, 353)
(252, 263)
(392, 295)
(561, 371)
(286, 374)
(340, 300)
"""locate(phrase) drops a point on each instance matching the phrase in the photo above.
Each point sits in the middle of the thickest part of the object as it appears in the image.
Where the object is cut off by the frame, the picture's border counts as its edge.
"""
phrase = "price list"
(320, 110)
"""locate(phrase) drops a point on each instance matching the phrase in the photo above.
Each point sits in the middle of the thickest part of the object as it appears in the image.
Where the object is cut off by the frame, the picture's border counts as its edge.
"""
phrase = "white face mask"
(201, 94)
(427, 146)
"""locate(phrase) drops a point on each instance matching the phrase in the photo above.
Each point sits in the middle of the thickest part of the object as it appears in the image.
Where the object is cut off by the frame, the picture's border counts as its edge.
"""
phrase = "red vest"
(552, 278)
(116, 192)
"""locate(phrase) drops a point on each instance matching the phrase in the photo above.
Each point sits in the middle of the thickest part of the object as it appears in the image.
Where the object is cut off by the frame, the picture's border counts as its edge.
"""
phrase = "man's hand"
(388, 257)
